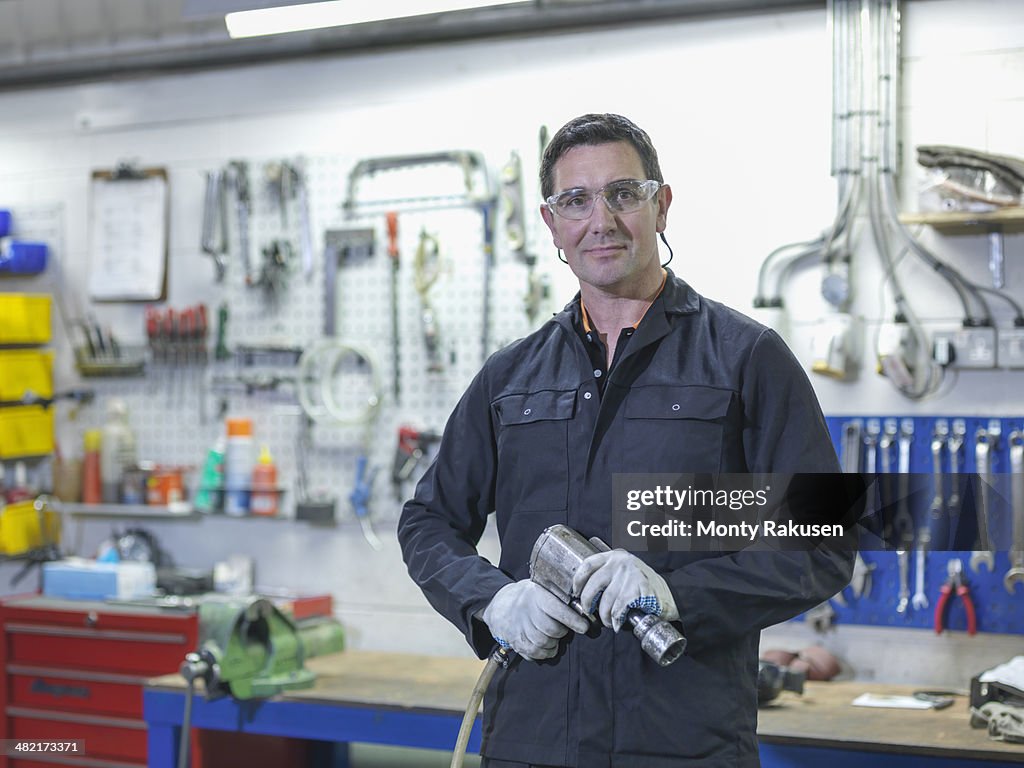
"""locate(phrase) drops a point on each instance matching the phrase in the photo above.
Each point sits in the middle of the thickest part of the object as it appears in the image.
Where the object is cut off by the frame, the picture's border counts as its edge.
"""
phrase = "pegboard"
(177, 410)
(997, 610)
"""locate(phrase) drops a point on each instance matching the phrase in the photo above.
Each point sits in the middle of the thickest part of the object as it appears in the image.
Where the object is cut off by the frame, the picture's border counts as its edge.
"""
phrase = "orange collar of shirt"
(586, 318)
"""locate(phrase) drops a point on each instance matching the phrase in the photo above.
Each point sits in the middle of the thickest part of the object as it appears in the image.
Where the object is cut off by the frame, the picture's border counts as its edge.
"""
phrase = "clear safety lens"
(623, 196)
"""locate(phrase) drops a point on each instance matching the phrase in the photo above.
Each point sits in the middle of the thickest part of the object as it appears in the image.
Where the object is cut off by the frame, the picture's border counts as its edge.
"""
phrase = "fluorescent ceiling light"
(336, 13)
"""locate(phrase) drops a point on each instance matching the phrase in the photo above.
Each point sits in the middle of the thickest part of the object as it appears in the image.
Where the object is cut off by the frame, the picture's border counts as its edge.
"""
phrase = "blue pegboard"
(997, 610)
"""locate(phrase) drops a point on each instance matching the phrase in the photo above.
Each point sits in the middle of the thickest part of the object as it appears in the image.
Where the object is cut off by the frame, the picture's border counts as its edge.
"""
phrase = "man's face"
(614, 252)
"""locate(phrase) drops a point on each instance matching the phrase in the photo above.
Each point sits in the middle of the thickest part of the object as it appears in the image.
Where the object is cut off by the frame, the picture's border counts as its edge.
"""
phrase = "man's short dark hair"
(597, 129)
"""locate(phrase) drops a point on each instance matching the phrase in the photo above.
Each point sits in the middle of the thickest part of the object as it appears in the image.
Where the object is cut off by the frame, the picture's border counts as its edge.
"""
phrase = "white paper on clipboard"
(128, 238)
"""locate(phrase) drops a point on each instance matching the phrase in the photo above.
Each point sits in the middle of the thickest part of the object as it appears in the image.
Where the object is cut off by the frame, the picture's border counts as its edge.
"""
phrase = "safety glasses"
(624, 196)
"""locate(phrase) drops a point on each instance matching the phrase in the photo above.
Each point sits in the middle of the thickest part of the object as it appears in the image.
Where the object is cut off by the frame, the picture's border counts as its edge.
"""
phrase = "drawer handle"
(67, 717)
(106, 634)
(76, 674)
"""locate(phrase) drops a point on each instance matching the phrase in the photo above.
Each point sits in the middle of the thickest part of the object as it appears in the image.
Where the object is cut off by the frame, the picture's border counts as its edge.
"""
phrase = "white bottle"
(239, 460)
(117, 451)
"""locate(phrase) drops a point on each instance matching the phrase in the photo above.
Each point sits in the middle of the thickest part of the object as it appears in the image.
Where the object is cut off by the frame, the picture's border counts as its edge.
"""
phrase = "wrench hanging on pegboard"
(971, 482)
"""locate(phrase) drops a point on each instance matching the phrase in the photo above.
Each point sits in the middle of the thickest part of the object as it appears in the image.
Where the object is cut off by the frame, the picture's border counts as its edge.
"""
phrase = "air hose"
(498, 658)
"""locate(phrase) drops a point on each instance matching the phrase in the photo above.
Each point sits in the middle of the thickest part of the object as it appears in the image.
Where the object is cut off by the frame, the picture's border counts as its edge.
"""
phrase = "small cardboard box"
(80, 579)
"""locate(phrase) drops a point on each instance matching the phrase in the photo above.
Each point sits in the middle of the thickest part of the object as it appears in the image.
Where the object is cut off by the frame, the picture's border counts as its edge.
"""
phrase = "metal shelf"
(174, 511)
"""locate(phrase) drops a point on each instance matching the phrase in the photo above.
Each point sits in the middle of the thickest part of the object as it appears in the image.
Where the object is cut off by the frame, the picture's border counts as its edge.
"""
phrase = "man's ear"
(664, 201)
(549, 219)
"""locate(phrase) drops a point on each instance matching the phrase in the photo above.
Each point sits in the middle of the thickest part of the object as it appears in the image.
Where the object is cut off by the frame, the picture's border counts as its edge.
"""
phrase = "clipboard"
(128, 231)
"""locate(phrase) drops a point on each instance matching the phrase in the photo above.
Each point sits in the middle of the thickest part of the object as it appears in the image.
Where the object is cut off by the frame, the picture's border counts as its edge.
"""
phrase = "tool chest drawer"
(145, 653)
(75, 670)
(112, 737)
(93, 693)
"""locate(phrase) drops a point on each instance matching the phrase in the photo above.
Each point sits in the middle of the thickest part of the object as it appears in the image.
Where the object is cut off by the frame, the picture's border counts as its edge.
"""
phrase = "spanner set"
(945, 492)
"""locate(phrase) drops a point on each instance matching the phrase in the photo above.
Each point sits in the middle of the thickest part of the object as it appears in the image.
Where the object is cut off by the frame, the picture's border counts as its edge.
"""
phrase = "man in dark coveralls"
(639, 373)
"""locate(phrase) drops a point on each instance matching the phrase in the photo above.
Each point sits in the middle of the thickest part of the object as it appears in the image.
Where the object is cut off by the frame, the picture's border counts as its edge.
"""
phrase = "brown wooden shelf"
(1010, 220)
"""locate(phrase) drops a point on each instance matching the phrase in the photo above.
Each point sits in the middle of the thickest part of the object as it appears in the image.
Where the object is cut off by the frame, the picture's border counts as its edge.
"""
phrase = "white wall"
(740, 111)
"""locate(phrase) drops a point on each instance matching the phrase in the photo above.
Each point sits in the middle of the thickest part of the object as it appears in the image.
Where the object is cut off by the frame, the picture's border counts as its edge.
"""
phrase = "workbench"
(418, 701)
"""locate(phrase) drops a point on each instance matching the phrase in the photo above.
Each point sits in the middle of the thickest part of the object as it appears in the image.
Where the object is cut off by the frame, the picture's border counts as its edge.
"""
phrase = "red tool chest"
(75, 670)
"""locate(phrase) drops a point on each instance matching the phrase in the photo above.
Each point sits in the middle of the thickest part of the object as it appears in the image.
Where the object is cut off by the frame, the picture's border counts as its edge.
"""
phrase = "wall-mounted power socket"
(965, 348)
(1011, 348)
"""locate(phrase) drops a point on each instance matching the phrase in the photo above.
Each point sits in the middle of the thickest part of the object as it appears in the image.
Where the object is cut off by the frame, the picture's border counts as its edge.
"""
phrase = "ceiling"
(45, 42)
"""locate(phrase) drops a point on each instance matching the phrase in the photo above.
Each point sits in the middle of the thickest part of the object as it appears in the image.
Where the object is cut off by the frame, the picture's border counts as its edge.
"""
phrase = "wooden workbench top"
(822, 717)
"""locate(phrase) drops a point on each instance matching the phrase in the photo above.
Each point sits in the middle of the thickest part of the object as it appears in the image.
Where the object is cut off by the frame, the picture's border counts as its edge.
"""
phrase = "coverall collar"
(677, 297)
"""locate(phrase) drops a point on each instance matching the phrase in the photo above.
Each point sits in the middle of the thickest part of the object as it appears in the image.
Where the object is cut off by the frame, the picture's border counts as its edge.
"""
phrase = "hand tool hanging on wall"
(239, 171)
(221, 351)
(487, 213)
(1016, 572)
(287, 183)
(169, 328)
(154, 338)
(280, 178)
(985, 441)
(186, 323)
(410, 452)
(860, 581)
(954, 445)
(471, 165)
(426, 270)
(937, 507)
(955, 584)
(396, 354)
(305, 223)
(904, 521)
(872, 430)
(885, 444)
(274, 269)
(362, 490)
(342, 246)
(202, 332)
(851, 447)
(214, 240)
(514, 217)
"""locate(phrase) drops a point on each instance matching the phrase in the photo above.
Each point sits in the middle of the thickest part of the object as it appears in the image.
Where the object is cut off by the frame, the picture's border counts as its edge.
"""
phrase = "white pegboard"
(166, 405)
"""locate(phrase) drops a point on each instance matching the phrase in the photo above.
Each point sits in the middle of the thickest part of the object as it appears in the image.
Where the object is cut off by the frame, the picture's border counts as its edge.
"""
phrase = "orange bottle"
(92, 480)
(264, 485)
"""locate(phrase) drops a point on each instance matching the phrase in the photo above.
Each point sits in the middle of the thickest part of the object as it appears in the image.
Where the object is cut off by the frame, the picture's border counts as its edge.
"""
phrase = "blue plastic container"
(22, 257)
(5, 223)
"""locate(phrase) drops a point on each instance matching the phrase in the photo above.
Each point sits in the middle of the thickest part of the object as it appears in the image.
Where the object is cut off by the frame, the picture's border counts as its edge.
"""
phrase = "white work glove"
(613, 582)
(530, 620)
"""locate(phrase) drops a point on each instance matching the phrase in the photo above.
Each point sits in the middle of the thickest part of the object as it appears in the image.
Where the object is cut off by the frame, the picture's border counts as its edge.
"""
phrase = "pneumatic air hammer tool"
(559, 552)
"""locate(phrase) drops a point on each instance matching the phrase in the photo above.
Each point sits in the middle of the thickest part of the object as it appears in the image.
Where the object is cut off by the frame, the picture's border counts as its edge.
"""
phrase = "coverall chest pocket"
(533, 450)
(676, 428)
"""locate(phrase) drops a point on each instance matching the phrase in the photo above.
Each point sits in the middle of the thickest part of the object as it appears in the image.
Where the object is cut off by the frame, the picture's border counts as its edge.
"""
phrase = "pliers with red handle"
(955, 581)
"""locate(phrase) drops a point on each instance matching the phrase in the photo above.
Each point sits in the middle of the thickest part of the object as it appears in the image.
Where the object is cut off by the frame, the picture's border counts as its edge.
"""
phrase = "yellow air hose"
(499, 658)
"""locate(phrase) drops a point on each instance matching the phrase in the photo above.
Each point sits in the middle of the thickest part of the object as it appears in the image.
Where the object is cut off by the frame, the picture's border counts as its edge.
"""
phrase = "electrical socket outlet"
(965, 348)
(1011, 348)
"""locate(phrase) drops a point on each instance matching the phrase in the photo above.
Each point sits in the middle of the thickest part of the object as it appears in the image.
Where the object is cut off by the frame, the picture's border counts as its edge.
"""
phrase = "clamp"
(955, 582)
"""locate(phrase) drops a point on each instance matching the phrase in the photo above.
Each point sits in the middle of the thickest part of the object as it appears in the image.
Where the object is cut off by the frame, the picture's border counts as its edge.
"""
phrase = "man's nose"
(601, 217)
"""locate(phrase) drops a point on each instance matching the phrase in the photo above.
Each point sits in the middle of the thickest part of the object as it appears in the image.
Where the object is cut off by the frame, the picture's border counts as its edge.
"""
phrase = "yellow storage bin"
(25, 431)
(24, 318)
(20, 528)
(23, 527)
(24, 371)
